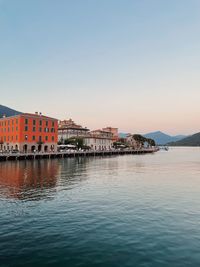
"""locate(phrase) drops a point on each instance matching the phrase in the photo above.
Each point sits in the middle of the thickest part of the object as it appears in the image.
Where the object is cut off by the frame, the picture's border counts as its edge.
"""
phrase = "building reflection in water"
(43, 179)
(39, 179)
(73, 171)
(28, 179)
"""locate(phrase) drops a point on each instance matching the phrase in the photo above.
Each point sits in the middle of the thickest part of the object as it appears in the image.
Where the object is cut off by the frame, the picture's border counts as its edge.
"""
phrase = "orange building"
(28, 133)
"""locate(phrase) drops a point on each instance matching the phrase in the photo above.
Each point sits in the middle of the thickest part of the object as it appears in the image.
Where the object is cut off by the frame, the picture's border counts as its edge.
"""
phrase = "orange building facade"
(28, 133)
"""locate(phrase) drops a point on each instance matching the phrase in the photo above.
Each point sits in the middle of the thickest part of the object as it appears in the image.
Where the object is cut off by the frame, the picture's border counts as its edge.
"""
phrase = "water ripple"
(113, 211)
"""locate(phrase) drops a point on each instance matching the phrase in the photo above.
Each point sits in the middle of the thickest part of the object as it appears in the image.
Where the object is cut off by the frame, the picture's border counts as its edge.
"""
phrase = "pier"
(70, 154)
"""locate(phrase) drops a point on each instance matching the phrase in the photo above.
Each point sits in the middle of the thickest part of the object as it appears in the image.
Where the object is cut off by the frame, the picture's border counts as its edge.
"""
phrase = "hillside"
(162, 138)
(7, 111)
(193, 140)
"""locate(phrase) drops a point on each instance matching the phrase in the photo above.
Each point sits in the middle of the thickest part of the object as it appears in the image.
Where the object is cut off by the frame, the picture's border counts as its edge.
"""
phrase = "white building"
(69, 129)
(99, 140)
(96, 140)
(132, 142)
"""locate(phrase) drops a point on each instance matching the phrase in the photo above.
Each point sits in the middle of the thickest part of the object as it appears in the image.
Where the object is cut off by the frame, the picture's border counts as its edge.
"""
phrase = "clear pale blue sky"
(129, 64)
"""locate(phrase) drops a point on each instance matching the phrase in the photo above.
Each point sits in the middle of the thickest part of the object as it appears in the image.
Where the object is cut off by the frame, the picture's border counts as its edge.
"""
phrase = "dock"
(70, 154)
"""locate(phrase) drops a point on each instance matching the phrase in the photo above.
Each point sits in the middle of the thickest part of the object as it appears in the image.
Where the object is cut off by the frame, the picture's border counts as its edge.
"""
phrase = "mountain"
(162, 138)
(180, 136)
(193, 140)
(7, 111)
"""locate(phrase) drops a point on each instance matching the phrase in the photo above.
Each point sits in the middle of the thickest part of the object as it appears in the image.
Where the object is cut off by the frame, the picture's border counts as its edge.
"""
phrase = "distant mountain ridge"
(8, 111)
(193, 140)
(162, 139)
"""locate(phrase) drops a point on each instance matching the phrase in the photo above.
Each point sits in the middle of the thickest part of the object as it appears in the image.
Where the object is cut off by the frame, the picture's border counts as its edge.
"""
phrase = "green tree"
(76, 141)
(151, 142)
(139, 138)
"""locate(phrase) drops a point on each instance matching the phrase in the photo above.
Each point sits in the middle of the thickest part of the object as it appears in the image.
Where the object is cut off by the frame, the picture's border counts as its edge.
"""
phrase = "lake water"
(133, 210)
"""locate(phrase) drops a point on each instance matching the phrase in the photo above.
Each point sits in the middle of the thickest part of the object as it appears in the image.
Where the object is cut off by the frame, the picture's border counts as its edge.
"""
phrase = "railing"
(72, 152)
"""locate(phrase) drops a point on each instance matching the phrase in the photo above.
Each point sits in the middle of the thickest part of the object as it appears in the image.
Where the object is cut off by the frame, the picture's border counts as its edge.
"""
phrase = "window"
(34, 122)
(26, 128)
(46, 138)
(52, 138)
(26, 121)
(33, 129)
(26, 137)
(40, 123)
(33, 138)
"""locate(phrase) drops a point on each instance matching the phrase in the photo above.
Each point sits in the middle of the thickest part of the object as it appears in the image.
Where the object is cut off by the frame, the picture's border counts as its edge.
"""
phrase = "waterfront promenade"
(32, 156)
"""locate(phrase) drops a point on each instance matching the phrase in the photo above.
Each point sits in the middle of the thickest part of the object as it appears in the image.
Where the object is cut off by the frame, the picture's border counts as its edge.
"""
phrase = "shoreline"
(33, 156)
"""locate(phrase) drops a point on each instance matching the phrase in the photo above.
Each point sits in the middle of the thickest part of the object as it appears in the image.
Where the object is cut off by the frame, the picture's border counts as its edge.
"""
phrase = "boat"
(165, 148)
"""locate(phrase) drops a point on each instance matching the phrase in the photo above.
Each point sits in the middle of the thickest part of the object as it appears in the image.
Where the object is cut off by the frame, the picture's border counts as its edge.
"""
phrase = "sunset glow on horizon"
(127, 64)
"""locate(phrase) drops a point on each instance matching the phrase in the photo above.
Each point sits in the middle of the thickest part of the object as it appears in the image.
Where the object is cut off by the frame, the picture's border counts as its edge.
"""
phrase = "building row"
(101, 139)
(38, 133)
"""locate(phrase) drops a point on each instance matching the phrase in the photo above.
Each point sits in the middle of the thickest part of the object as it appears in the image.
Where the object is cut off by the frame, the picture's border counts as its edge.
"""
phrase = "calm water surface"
(141, 210)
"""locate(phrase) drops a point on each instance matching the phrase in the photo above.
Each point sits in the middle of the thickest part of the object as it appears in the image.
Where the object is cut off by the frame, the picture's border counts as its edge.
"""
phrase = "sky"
(131, 64)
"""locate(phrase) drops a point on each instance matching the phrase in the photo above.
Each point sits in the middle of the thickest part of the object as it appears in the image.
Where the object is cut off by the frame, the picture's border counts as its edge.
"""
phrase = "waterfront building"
(114, 131)
(69, 129)
(99, 140)
(130, 141)
(28, 133)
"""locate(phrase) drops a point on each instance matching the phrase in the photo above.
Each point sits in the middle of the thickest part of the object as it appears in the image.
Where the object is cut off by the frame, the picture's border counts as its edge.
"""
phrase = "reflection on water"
(27, 179)
(136, 210)
(33, 180)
